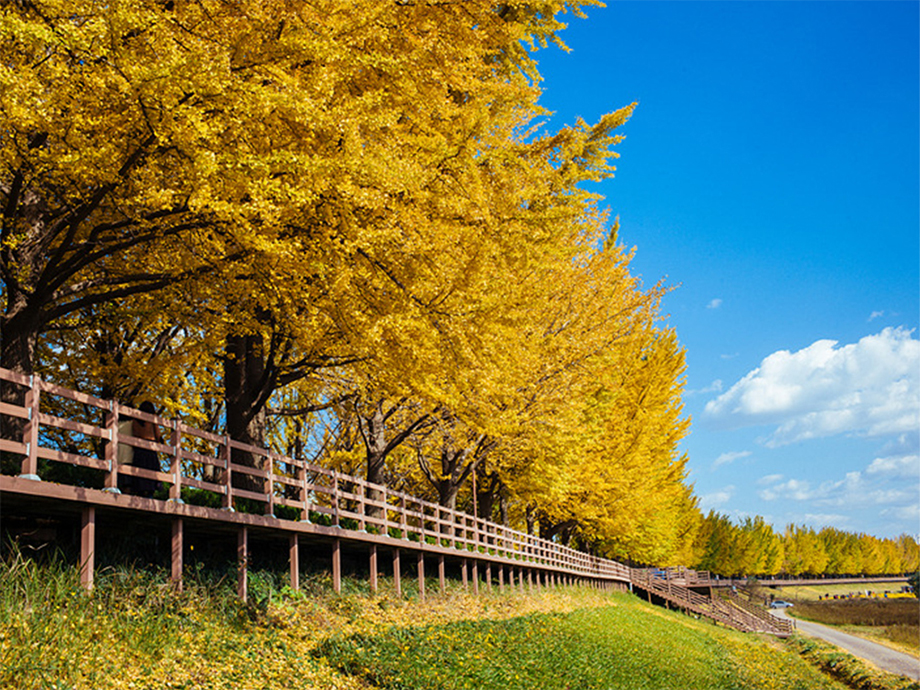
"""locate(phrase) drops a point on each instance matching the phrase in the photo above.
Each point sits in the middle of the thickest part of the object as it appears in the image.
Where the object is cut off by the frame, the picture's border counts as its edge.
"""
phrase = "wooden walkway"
(211, 478)
(286, 498)
(676, 587)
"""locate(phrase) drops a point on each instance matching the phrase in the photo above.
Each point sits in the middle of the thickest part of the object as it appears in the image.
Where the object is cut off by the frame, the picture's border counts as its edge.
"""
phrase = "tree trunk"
(244, 373)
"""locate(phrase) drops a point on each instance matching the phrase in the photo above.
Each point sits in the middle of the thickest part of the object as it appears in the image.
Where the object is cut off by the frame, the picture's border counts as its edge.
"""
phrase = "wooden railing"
(44, 426)
(673, 585)
(83, 431)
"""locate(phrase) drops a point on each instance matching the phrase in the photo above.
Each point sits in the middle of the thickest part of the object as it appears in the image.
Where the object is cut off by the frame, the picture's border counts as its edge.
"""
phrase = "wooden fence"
(674, 586)
(45, 425)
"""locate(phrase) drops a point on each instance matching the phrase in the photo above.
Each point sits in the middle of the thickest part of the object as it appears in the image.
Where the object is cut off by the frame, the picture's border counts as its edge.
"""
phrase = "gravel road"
(884, 657)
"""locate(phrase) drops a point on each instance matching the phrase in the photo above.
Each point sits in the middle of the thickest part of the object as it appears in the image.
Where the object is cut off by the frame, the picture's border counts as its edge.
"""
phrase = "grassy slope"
(134, 632)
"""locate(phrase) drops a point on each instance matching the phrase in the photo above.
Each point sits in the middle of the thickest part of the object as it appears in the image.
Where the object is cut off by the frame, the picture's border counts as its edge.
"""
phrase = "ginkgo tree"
(346, 215)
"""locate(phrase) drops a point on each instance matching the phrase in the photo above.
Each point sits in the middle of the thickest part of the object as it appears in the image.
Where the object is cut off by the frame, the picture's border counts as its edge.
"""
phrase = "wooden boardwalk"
(680, 588)
(211, 478)
(286, 498)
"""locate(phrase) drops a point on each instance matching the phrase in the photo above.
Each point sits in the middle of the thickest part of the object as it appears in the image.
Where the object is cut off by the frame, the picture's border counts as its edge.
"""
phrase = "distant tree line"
(752, 547)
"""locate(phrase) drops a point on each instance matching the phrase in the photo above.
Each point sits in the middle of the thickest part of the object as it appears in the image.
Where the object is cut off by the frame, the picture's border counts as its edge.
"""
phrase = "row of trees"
(341, 230)
(752, 547)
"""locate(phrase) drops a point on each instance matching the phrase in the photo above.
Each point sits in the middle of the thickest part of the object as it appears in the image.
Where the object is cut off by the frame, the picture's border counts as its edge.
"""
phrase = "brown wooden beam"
(176, 546)
(373, 568)
(242, 563)
(421, 575)
(294, 560)
(442, 575)
(88, 547)
(397, 581)
(337, 565)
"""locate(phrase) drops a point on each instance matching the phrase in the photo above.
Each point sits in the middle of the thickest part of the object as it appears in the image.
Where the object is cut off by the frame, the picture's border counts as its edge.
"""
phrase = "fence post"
(88, 547)
(228, 474)
(403, 520)
(373, 568)
(175, 463)
(337, 565)
(302, 492)
(421, 575)
(242, 563)
(397, 581)
(270, 485)
(176, 546)
(294, 558)
(111, 448)
(30, 432)
(361, 493)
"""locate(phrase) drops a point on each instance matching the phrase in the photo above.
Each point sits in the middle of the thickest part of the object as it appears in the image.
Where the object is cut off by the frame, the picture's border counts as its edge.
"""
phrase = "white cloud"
(854, 490)
(907, 466)
(794, 489)
(716, 498)
(727, 458)
(819, 520)
(870, 388)
(876, 315)
(714, 387)
(910, 513)
(769, 479)
(714, 304)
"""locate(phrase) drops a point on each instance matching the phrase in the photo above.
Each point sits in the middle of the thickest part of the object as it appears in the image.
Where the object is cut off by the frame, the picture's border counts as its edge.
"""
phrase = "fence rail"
(44, 427)
(41, 421)
(673, 585)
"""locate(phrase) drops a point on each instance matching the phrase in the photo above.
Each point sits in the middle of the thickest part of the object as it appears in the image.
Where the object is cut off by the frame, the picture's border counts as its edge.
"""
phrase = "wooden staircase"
(676, 586)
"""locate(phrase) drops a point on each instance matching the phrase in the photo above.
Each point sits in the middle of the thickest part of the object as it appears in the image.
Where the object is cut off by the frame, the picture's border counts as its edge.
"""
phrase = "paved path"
(884, 657)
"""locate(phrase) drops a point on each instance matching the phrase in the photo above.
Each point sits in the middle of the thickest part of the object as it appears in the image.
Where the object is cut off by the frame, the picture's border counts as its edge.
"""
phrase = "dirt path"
(885, 658)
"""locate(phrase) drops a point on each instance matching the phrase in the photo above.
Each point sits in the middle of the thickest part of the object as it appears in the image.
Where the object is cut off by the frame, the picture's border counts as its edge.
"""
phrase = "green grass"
(135, 631)
(625, 644)
(852, 671)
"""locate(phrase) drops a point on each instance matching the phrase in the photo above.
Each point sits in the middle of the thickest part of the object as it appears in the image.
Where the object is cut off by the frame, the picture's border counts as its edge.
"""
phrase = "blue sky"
(771, 174)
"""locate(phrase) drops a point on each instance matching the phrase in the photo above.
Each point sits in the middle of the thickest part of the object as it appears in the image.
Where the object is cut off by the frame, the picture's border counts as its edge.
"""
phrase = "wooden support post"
(175, 462)
(176, 547)
(29, 466)
(111, 448)
(88, 546)
(397, 582)
(372, 580)
(501, 578)
(242, 563)
(489, 576)
(442, 575)
(530, 578)
(464, 572)
(475, 577)
(227, 474)
(294, 560)
(337, 565)
(421, 575)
